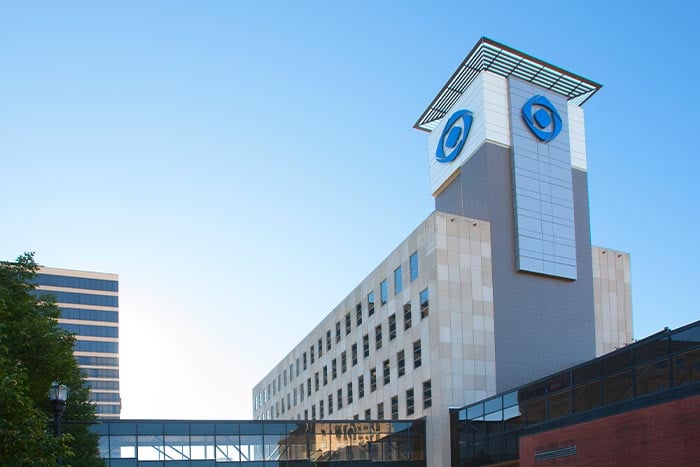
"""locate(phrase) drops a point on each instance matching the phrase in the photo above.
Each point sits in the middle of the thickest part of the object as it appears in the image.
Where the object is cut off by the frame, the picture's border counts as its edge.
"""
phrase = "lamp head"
(58, 392)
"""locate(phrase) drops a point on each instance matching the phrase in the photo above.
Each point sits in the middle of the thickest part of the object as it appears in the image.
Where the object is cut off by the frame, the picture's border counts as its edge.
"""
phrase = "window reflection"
(487, 431)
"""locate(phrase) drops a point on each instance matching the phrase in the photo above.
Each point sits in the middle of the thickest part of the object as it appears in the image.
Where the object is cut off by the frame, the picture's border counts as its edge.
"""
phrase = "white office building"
(498, 286)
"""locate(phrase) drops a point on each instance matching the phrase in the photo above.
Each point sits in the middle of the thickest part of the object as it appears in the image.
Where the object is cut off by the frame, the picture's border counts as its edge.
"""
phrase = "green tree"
(34, 352)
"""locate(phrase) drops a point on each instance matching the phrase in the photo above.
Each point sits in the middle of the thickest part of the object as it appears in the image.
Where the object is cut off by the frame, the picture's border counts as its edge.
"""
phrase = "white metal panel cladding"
(487, 99)
(577, 137)
(545, 237)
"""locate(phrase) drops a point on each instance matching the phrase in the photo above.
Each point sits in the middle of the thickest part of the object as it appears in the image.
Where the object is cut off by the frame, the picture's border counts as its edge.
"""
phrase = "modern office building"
(89, 303)
(499, 286)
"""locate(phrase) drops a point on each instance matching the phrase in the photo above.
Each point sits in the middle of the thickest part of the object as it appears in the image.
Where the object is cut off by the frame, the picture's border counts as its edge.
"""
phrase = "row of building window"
(288, 375)
(81, 298)
(106, 385)
(90, 315)
(292, 399)
(100, 373)
(54, 280)
(328, 409)
(102, 409)
(104, 397)
(97, 361)
(96, 346)
(91, 330)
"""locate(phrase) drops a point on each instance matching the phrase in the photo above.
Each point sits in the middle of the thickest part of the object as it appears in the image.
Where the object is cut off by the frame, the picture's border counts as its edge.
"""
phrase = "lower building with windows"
(499, 286)
(638, 405)
(89, 304)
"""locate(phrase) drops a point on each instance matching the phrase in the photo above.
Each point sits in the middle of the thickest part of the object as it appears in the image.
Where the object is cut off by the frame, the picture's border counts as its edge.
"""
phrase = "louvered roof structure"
(505, 61)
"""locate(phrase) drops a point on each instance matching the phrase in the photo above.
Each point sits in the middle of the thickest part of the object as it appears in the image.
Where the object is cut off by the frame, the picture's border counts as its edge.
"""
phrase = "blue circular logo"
(454, 135)
(542, 118)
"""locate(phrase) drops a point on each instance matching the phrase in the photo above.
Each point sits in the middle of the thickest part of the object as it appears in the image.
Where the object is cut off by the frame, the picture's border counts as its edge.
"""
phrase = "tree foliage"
(34, 352)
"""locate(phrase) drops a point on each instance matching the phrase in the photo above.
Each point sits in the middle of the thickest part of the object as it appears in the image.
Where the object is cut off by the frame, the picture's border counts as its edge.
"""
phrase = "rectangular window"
(313, 412)
(373, 380)
(409, 402)
(427, 394)
(407, 316)
(424, 304)
(386, 374)
(398, 282)
(312, 354)
(316, 381)
(368, 415)
(294, 397)
(334, 369)
(301, 392)
(365, 346)
(413, 265)
(291, 372)
(378, 337)
(330, 404)
(416, 354)
(348, 324)
(361, 386)
(343, 362)
(370, 303)
(392, 327)
(308, 387)
(355, 417)
(395, 408)
(320, 409)
(328, 340)
(285, 377)
(303, 358)
(306, 414)
(274, 387)
(380, 411)
(358, 314)
(401, 363)
(297, 372)
(325, 375)
(354, 354)
(337, 332)
(349, 393)
(340, 399)
(320, 348)
(383, 292)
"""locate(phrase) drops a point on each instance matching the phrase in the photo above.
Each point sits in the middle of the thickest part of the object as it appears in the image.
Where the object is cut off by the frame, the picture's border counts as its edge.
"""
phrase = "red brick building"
(665, 434)
(637, 406)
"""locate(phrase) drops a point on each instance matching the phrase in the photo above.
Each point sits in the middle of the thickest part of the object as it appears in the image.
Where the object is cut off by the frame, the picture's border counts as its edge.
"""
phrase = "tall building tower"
(498, 287)
(89, 303)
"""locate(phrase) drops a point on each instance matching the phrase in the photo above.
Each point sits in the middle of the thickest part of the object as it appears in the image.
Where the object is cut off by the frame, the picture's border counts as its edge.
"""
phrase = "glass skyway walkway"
(262, 443)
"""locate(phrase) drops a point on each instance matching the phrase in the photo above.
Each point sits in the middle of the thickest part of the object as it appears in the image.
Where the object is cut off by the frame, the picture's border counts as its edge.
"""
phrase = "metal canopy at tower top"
(505, 61)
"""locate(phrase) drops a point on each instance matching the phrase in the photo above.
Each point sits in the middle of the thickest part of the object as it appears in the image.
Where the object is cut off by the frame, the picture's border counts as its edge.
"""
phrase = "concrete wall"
(542, 324)
(612, 296)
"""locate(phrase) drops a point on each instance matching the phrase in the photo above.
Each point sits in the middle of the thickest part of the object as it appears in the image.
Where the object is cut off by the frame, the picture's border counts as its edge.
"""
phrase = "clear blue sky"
(243, 165)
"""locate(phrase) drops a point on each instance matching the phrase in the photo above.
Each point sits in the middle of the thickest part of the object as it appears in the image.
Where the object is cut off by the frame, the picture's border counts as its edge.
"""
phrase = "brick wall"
(662, 435)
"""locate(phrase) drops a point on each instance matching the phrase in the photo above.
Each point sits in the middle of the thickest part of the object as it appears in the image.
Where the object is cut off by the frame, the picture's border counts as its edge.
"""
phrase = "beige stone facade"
(455, 335)
(612, 299)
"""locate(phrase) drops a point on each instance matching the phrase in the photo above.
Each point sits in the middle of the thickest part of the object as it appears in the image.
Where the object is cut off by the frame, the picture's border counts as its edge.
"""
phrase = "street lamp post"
(58, 394)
